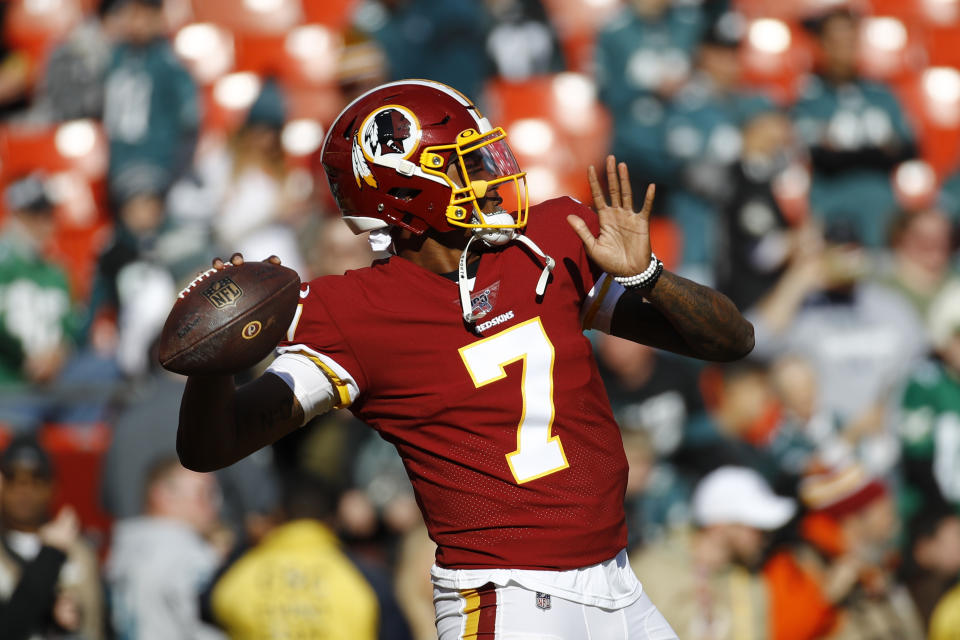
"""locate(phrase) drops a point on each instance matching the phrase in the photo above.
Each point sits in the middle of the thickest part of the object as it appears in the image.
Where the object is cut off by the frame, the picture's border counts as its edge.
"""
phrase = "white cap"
(738, 495)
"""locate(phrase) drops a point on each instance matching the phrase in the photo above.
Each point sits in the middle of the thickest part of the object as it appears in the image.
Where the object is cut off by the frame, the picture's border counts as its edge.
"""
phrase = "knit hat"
(29, 194)
(270, 107)
(840, 491)
(25, 452)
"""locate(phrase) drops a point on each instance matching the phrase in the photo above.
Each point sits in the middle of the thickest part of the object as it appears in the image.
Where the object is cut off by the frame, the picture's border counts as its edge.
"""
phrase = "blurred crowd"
(806, 157)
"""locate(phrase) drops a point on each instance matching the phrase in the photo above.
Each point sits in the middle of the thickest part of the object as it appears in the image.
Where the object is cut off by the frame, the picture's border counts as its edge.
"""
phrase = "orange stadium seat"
(336, 14)
(556, 128)
(78, 452)
(73, 156)
(206, 49)
(303, 61)
(891, 48)
(250, 16)
(904, 9)
(776, 55)
(305, 56)
(942, 45)
(932, 100)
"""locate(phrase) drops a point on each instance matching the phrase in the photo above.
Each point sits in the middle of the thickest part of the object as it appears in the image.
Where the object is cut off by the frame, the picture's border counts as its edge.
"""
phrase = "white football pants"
(515, 613)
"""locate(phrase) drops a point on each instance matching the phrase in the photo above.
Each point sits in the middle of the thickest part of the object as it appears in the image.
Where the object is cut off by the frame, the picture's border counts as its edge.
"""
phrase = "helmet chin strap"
(497, 237)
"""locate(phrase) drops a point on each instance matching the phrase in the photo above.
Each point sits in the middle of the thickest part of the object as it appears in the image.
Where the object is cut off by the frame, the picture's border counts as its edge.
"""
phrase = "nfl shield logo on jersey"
(543, 601)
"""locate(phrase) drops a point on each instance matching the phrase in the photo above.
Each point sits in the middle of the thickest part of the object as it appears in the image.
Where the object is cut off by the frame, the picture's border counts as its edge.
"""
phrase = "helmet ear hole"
(404, 193)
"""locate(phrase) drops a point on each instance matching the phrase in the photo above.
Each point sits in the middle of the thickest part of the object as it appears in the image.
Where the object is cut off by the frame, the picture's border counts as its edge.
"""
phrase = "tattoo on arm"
(684, 317)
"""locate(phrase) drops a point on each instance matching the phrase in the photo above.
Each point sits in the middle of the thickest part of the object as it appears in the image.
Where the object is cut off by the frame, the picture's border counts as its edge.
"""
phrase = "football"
(228, 320)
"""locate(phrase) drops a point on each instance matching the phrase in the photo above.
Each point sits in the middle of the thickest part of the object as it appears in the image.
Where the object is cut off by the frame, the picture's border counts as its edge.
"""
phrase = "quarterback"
(465, 349)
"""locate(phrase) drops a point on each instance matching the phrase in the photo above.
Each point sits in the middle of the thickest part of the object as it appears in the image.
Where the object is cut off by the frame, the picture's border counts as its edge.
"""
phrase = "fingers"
(236, 260)
(625, 189)
(599, 200)
(582, 230)
(273, 260)
(648, 201)
(613, 184)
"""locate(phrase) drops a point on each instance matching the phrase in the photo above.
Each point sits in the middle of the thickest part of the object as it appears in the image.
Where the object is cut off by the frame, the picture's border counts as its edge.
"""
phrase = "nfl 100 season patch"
(483, 302)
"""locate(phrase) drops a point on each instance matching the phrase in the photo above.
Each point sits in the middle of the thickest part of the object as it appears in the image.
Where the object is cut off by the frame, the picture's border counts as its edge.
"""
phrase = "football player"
(465, 349)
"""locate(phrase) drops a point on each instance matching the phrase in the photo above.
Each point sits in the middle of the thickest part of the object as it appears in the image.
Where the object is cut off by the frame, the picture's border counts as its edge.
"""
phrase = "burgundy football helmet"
(390, 158)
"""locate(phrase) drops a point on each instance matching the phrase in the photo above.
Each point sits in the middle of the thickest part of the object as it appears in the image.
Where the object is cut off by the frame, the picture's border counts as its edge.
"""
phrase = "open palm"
(623, 246)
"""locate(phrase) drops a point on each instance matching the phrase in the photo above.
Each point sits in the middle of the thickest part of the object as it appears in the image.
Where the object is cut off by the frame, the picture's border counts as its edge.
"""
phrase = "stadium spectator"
(707, 580)
(653, 396)
(144, 428)
(743, 417)
(72, 84)
(244, 191)
(298, 582)
(643, 57)
(931, 413)
(151, 109)
(158, 562)
(134, 280)
(362, 65)
(946, 617)
(856, 132)
(808, 433)
(920, 267)
(931, 557)
(43, 556)
(703, 141)
(425, 39)
(522, 42)
(29, 602)
(860, 338)
(415, 556)
(36, 315)
(838, 580)
(754, 239)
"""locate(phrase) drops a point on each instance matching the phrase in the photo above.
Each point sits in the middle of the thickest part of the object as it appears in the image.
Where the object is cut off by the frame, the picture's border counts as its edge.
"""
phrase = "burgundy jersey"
(505, 429)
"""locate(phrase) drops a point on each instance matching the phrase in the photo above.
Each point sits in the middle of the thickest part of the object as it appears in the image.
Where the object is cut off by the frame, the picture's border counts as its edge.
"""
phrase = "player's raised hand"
(623, 246)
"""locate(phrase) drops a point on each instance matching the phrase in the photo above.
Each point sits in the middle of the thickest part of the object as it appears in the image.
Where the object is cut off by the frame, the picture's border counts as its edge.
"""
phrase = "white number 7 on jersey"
(538, 454)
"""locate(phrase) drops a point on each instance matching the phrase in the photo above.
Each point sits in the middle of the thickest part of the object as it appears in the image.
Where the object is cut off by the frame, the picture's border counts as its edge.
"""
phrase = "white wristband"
(647, 277)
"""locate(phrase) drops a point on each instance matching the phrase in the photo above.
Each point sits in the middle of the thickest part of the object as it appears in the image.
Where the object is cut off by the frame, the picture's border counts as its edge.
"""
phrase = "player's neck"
(439, 253)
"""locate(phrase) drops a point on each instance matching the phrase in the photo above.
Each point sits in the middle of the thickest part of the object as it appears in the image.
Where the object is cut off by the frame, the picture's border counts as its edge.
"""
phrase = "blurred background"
(807, 162)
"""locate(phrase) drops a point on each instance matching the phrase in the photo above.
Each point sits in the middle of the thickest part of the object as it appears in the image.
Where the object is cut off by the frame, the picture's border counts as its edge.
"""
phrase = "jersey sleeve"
(315, 359)
(601, 291)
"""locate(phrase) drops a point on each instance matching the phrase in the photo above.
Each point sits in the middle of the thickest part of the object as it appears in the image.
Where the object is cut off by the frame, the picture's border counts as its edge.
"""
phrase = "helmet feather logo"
(388, 134)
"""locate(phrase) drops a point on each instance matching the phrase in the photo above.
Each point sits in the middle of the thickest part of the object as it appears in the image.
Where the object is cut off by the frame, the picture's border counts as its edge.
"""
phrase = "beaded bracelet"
(643, 280)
